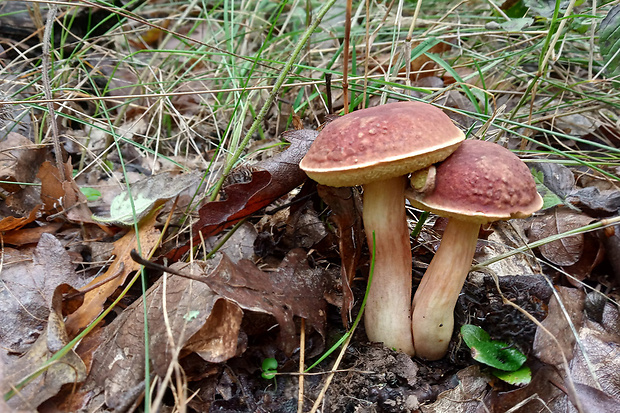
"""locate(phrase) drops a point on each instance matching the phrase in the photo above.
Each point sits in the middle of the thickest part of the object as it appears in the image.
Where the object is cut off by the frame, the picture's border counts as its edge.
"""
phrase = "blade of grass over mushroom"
(420, 224)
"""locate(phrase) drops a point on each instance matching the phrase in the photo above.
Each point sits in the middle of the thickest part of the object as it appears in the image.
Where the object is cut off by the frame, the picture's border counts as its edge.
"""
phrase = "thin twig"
(47, 89)
(302, 367)
(593, 29)
(367, 52)
(345, 57)
(407, 45)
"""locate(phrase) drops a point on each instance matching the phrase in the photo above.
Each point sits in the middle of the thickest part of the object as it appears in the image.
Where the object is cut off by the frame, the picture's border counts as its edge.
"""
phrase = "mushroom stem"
(433, 305)
(388, 308)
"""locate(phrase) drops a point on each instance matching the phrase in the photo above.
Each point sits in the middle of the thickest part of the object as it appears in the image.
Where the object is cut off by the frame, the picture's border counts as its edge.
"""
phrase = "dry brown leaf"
(62, 196)
(3, 406)
(20, 203)
(603, 351)
(579, 253)
(217, 340)
(76, 398)
(19, 160)
(594, 400)
(566, 251)
(345, 204)
(464, 398)
(241, 244)
(595, 202)
(304, 227)
(294, 289)
(539, 391)
(601, 343)
(14, 223)
(189, 306)
(26, 292)
(121, 267)
(611, 240)
(545, 347)
(25, 236)
(68, 369)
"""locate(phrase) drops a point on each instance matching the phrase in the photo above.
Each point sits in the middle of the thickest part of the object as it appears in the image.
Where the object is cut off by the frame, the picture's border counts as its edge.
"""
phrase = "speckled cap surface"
(480, 182)
(380, 143)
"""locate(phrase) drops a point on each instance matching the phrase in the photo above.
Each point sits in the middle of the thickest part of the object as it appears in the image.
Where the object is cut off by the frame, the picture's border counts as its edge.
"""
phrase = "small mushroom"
(480, 182)
(377, 148)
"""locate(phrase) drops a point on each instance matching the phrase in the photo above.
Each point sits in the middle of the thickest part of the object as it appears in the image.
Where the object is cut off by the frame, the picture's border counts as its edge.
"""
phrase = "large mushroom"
(377, 148)
(480, 182)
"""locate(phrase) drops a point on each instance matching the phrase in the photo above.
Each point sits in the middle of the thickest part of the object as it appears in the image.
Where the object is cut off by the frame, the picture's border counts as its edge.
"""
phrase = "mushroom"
(377, 148)
(480, 182)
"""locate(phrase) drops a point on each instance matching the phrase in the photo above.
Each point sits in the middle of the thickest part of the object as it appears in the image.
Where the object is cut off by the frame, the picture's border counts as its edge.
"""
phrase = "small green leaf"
(519, 377)
(146, 194)
(270, 368)
(493, 353)
(191, 315)
(474, 335)
(550, 199)
(91, 194)
(517, 25)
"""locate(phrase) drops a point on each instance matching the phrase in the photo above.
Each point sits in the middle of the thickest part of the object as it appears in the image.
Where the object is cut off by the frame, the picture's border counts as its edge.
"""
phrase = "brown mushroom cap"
(480, 182)
(379, 143)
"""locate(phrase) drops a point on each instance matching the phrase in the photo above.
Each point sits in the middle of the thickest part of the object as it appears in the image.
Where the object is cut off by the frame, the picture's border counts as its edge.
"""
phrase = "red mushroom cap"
(480, 182)
(379, 143)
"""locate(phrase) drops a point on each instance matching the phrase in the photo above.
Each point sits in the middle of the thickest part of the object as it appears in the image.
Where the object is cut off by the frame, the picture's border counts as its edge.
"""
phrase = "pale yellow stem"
(388, 309)
(434, 301)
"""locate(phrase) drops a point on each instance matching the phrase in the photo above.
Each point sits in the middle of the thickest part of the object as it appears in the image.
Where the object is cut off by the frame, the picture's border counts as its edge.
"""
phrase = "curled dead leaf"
(579, 253)
(62, 197)
(268, 181)
(346, 205)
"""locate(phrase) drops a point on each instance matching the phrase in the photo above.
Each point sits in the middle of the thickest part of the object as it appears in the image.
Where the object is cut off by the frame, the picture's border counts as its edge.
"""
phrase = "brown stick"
(345, 62)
